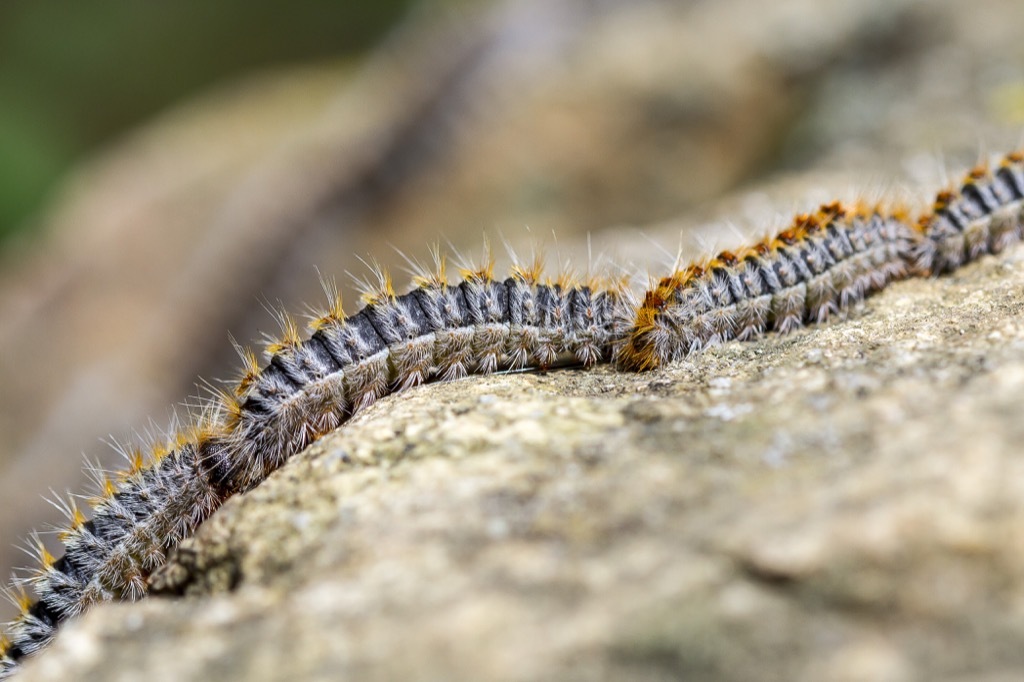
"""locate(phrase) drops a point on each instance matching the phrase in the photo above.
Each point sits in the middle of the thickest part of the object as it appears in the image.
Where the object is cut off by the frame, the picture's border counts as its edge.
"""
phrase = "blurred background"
(72, 78)
(169, 171)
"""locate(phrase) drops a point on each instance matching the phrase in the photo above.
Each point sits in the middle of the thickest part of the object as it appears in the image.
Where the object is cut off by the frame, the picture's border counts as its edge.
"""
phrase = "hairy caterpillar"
(819, 266)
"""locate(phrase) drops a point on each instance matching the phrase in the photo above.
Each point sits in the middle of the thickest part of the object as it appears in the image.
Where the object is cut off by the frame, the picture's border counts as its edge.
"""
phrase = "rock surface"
(843, 503)
(564, 116)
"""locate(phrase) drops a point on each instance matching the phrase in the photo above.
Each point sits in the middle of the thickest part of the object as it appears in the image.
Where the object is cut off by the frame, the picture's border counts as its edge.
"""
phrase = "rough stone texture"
(844, 503)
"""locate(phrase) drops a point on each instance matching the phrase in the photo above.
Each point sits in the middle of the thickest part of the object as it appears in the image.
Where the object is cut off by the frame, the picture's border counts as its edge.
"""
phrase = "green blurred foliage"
(73, 74)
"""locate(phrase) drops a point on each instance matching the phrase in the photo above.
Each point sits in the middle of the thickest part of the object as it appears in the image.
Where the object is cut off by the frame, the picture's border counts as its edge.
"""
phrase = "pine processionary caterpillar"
(818, 267)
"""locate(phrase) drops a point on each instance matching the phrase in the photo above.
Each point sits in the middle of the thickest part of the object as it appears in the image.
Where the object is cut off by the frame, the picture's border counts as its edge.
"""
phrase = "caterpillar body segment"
(824, 263)
(985, 214)
(135, 522)
(435, 332)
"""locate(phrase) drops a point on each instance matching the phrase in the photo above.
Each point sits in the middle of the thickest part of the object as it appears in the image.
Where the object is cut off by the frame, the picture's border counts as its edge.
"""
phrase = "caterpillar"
(817, 268)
